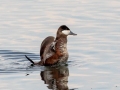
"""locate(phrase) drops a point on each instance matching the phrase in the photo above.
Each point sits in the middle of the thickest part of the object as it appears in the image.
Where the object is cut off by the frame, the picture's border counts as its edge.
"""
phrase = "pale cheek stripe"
(66, 32)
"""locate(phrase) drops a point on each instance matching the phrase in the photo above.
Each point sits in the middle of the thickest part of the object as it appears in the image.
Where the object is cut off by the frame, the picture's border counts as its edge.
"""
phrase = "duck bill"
(71, 33)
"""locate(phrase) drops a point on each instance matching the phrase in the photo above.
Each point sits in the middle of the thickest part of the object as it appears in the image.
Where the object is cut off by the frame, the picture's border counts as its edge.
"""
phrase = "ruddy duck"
(53, 51)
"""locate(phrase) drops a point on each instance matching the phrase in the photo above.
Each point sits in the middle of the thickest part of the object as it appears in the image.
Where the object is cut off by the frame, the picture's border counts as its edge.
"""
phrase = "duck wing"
(47, 48)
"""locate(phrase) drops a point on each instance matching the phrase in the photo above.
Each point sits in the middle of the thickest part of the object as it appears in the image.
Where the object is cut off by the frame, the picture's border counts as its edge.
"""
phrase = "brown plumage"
(54, 51)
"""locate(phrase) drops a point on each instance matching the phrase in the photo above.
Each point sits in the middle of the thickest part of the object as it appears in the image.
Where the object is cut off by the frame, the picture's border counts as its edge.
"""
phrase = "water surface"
(94, 54)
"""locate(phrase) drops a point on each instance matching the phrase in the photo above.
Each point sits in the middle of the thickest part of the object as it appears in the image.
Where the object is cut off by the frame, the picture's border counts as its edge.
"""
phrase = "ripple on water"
(13, 61)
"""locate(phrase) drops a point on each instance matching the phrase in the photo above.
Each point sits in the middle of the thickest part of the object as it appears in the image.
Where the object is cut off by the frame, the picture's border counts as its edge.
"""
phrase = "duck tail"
(30, 60)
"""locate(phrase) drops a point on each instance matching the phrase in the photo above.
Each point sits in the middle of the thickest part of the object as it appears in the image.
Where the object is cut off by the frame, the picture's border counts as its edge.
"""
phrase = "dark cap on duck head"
(64, 30)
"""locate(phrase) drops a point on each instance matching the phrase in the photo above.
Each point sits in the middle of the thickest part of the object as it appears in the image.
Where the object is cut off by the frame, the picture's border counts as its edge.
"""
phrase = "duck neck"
(61, 37)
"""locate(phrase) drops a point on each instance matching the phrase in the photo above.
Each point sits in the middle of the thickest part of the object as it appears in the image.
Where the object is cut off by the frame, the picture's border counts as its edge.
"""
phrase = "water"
(94, 62)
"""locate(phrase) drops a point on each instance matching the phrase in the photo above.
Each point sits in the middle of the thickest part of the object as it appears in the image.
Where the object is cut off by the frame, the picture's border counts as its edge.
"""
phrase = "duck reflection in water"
(56, 78)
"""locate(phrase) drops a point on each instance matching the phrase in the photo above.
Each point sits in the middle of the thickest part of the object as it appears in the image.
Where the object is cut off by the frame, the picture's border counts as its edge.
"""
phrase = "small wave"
(15, 61)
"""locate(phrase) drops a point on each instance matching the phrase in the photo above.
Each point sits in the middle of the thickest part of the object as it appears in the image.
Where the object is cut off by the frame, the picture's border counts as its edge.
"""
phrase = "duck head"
(63, 30)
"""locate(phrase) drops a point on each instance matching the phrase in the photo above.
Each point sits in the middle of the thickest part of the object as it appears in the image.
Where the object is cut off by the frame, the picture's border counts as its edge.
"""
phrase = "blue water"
(94, 54)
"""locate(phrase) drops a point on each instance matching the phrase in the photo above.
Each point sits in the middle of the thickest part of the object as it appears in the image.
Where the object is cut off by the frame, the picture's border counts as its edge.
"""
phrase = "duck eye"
(66, 32)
